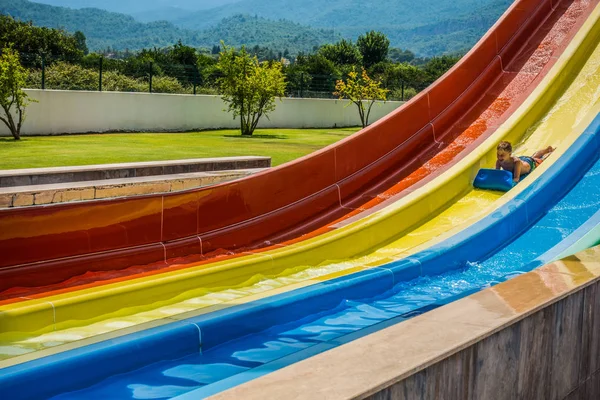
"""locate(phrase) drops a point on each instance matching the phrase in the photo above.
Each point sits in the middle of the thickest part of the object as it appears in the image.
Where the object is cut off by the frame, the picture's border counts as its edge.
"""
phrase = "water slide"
(559, 110)
(54, 319)
(241, 343)
(54, 245)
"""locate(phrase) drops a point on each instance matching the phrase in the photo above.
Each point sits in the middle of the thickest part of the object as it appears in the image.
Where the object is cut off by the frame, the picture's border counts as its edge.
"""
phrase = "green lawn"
(281, 145)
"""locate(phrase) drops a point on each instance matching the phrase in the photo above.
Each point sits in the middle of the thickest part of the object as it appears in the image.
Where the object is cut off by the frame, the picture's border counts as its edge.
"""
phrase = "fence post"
(301, 84)
(101, 62)
(403, 90)
(43, 71)
(150, 76)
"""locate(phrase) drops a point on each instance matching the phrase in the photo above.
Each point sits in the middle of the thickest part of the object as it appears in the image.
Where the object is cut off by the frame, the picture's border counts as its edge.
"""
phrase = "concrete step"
(44, 176)
(33, 195)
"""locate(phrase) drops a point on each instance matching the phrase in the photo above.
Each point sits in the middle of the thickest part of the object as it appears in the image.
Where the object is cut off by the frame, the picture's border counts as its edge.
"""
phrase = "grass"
(282, 145)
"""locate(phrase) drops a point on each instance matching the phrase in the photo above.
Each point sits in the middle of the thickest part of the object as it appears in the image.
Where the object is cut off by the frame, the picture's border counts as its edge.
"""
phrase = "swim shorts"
(533, 162)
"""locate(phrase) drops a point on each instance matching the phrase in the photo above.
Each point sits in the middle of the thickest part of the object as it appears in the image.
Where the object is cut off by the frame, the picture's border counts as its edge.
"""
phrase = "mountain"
(348, 16)
(453, 35)
(144, 10)
(158, 14)
(278, 35)
(430, 28)
(102, 28)
(119, 31)
(139, 6)
(434, 27)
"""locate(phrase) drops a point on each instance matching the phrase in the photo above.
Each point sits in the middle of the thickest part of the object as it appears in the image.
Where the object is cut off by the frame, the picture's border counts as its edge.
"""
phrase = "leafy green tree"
(408, 74)
(361, 89)
(81, 42)
(248, 86)
(343, 52)
(400, 56)
(208, 70)
(182, 54)
(317, 64)
(374, 47)
(437, 66)
(12, 97)
(313, 72)
(32, 42)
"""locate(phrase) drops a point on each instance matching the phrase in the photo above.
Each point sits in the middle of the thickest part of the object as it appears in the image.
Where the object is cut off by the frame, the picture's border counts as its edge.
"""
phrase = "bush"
(167, 84)
(207, 90)
(34, 79)
(64, 76)
(116, 82)
(409, 93)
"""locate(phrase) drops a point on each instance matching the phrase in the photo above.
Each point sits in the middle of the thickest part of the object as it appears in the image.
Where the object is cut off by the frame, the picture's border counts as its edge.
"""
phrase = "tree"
(400, 56)
(32, 41)
(374, 47)
(438, 66)
(81, 44)
(360, 89)
(12, 80)
(408, 74)
(182, 54)
(248, 86)
(343, 52)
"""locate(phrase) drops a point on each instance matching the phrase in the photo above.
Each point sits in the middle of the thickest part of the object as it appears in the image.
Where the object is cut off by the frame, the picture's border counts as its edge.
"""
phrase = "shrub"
(167, 84)
(116, 82)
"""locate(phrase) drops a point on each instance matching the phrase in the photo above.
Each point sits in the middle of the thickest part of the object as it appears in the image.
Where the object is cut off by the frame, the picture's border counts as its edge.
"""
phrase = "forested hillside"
(119, 31)
(281, 35)
(136, 6)
(431, 27)
(349, 16)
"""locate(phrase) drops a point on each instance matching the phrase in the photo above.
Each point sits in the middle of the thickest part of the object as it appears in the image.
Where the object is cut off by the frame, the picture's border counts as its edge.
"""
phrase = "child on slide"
(522, 165)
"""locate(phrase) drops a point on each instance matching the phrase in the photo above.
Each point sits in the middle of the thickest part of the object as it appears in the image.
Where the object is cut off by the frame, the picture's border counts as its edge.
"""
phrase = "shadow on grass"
(11, 140)
(280, 137)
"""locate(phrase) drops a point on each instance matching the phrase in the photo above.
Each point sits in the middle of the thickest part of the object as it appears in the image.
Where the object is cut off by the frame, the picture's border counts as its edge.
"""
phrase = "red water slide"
(48, 244)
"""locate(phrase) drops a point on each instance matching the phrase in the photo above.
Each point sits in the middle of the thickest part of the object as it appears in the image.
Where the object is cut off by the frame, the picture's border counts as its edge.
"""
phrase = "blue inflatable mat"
(494, 179)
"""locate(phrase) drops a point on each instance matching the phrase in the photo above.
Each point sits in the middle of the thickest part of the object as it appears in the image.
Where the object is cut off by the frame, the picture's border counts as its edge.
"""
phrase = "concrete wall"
(77, 111)
(553, 354)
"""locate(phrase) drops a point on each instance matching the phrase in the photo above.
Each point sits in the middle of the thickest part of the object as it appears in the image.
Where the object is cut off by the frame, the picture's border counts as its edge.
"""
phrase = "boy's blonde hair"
(505, 146)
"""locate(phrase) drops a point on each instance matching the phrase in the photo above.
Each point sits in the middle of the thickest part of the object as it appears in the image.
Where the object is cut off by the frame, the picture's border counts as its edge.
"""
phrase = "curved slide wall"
(250, 210)
(44, 312)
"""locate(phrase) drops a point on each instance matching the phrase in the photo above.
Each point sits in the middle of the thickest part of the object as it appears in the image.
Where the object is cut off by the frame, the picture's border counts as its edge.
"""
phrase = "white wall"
(60, 111)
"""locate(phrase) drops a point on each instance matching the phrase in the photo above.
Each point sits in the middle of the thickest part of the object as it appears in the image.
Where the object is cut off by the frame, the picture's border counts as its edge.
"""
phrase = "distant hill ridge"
(434, 27)
(120, 31)
(137, 6)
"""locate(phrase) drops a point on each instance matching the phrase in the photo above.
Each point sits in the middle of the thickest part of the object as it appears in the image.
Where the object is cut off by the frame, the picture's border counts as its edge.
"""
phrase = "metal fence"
(99, 73)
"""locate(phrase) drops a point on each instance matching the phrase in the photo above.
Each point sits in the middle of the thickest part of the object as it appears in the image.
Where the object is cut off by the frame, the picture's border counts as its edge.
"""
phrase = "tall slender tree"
(13, 99)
